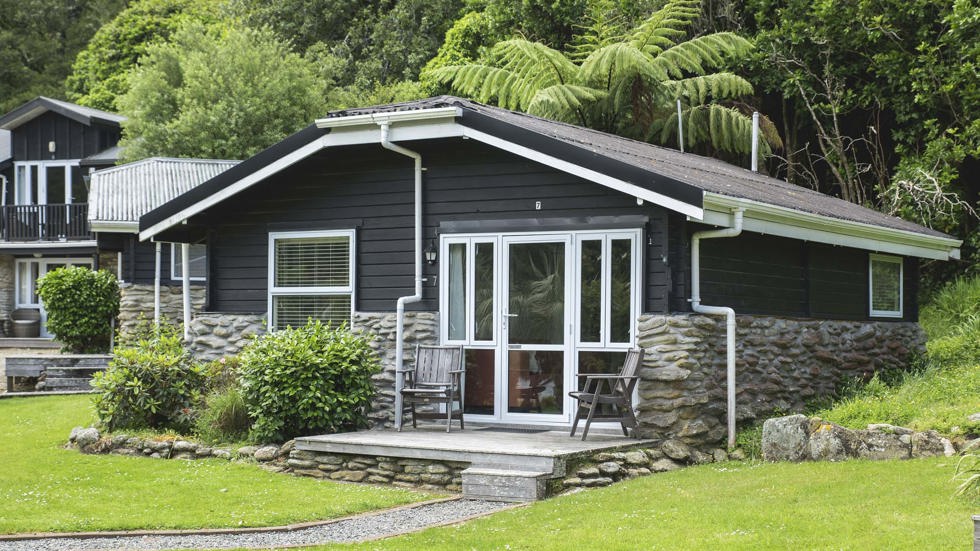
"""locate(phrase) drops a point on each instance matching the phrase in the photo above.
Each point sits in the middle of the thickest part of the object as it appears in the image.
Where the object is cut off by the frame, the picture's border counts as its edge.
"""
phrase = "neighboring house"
(547, 249)
(151, 274)
(53, 146)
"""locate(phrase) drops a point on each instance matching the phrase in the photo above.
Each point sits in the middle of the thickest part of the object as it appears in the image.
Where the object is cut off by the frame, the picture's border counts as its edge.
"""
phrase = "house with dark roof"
(53, 146)
(547, 250)
(152, 275)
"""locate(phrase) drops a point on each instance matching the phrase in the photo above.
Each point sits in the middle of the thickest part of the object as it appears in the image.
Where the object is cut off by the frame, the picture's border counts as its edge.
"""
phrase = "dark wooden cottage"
(547, 249)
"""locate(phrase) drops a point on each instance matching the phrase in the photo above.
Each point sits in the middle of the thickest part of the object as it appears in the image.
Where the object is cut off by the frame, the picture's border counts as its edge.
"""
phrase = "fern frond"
(605, 27)
(721, 127)
(616, 62)
(484, 83)
(534, 62)
(564, 102)
(702, 53)
(661, 30)
(704, 88)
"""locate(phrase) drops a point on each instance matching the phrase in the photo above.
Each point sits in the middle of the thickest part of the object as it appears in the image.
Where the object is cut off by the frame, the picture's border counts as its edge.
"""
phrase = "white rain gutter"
(156, 285)
(729, 313)
(402, 301)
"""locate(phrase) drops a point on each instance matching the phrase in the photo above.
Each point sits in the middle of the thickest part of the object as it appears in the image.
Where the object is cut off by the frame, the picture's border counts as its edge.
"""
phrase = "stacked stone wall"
(7, 281)
(420, 328)
(215, 335)
(137, 298)
(781, 364)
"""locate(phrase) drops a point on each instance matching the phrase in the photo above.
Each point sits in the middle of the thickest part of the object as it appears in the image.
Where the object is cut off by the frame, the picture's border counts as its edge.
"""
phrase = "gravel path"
(359, 528)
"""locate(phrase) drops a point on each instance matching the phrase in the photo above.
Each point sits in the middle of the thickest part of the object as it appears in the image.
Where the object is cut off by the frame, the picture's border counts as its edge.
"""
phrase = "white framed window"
(885, 286)
(469, 272)
(47, 183)
(311, 275)
(198, 262)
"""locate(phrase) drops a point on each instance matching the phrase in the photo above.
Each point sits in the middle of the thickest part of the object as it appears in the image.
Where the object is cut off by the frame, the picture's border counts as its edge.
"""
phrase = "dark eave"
(40, 105)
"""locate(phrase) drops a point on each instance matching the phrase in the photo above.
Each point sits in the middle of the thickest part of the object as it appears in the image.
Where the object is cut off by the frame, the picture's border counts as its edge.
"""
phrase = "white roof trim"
(113, 226)
(48, 245)
(390, 118)
(773, 220)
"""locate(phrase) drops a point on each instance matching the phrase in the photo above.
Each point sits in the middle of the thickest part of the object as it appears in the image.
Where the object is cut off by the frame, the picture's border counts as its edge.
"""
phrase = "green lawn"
(44, 487)
(850, 505)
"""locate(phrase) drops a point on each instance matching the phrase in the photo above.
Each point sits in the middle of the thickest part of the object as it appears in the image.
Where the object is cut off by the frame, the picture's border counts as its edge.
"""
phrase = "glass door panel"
(536, 323)
(479, 390)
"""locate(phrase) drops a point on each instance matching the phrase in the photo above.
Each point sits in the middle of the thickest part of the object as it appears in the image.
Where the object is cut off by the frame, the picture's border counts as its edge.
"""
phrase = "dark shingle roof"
(37, 106)
(705, 173)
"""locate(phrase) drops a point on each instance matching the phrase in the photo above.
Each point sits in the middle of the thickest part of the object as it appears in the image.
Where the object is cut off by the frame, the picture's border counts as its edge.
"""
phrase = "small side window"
(885, 280)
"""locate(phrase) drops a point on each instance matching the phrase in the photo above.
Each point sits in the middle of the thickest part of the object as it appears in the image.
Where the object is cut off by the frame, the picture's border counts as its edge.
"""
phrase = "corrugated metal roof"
(123, 193)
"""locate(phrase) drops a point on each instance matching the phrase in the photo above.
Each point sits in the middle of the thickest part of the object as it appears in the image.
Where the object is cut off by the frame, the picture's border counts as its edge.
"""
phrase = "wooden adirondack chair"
(437, 379)
(613, 391)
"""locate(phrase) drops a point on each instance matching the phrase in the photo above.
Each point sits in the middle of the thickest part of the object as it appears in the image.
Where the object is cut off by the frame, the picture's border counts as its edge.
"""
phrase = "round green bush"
(81, 305)
(151, 382)
(307, 380)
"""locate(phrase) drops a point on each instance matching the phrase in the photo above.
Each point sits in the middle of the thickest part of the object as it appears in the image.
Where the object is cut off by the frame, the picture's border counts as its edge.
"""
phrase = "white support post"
(185, 258)
(755, 141)
(680, 126)
(156, 288)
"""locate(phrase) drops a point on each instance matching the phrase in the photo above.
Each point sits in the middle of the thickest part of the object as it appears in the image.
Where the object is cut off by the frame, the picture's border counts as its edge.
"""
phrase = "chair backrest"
(433, 363)
(634, 357)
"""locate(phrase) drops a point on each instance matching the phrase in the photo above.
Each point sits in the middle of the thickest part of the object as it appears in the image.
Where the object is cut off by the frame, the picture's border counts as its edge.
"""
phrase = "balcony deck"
(45, 223)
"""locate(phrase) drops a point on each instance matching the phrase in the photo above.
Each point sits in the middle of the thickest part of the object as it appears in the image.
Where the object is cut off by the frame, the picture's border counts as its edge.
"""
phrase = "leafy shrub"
(307, 380)
(81, 304)
(953, 307)
(222, 373)
(150, 383)
(224, 417)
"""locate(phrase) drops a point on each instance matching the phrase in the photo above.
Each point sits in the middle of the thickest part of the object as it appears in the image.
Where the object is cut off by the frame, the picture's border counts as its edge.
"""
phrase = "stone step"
(61, 372)
(496, 484)
(68, 383)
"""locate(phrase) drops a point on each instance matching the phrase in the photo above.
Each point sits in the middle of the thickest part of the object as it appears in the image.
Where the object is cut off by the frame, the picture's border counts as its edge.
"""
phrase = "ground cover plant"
(47, 488)
(750, 505)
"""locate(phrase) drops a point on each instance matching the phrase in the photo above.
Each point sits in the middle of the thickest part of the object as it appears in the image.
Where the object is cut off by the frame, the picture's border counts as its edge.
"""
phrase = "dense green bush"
(307, 380)
(224, 417)
(150, 383)
(81, 305)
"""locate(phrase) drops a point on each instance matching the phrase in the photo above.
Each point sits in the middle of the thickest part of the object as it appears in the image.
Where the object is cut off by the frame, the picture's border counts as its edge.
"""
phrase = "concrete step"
(497, 484)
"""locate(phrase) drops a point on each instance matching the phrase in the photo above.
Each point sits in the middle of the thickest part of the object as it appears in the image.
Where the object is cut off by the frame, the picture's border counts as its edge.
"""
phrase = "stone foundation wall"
(420, 328)
(137, 298)
(782, 364)
(423, 474)
(7, 281)
(214, 335)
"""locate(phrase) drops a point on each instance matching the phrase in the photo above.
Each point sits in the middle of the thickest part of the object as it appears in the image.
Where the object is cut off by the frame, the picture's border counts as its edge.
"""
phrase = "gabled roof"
(702, 188)
(106, 157)
(121, 194)
(40, 105)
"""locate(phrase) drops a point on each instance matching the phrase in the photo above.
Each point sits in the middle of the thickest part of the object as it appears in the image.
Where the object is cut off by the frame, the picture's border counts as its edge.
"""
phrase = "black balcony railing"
(44, 223)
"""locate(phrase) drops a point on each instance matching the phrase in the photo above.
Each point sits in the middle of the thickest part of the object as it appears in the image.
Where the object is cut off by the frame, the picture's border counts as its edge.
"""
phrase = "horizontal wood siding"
(370, 189)
(73, 140)
(760, 274)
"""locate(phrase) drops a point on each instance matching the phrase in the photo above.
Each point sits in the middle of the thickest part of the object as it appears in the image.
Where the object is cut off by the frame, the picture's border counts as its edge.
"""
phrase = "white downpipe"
(185, 259)
(718, 310)
(755, 141)
(156, 287)
(402, 301)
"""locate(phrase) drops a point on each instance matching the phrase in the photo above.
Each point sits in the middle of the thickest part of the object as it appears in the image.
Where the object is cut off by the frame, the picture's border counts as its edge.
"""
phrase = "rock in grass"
(677, 450)
(266, 453)
(785, 438)
(247, 451)
(664, 465)
(87, 437)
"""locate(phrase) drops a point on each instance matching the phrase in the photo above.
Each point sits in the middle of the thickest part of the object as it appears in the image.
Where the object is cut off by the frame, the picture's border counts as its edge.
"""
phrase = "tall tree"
(39, 40)
(217, 92)
(98, 74)
(624, 82)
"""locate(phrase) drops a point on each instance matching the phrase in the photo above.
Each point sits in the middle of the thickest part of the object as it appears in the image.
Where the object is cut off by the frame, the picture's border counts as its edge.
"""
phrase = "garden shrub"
(81, 306)
(224, 417)
(307, 380)
(150, 383)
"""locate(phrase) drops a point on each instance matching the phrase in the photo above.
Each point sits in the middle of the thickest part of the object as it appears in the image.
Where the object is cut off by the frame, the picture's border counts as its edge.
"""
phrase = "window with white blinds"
(311, 275)
(885, 281)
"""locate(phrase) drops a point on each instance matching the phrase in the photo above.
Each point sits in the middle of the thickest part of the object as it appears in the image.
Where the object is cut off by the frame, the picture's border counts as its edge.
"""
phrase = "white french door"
(28, 271)
(533, 309)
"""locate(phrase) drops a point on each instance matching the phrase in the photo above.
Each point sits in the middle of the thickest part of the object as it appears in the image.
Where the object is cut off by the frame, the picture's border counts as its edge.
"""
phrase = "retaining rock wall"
(408, 473)
(216, 335)
(137, 298)
(420, 328)
(782, 364)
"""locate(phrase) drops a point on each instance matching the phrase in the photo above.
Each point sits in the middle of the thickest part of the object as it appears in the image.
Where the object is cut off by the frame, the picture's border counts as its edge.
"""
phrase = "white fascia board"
(390, 118)
(634, 190)
(114, 226)
(773, 220)
(410, 129)
(41, 245)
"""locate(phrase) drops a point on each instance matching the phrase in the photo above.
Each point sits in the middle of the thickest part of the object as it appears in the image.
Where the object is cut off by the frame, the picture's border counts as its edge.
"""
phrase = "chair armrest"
(404, 371)
(458, 371)
(604, 375)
